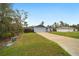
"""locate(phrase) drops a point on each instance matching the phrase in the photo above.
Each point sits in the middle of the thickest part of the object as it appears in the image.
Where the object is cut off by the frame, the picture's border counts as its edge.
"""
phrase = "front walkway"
(71, 45)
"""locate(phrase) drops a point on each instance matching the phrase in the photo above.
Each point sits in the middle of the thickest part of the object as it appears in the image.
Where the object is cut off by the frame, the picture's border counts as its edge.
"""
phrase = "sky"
(50, 12)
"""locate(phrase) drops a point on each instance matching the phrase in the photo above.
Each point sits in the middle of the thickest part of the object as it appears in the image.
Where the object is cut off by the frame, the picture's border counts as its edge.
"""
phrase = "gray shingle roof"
(40, 26)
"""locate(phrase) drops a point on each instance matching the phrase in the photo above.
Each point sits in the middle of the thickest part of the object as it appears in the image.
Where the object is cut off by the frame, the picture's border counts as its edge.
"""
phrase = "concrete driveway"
(71, 45)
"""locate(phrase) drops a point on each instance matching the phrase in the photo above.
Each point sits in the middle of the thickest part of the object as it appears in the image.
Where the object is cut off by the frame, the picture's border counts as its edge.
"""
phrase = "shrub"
(28, 30)
(5, 35)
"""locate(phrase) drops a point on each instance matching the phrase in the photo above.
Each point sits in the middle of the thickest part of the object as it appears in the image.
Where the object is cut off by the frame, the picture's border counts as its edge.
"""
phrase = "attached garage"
(39, 28)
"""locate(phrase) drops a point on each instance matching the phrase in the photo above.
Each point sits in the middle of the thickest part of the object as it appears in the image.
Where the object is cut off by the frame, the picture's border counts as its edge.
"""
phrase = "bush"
(28, 30)
(5, 35)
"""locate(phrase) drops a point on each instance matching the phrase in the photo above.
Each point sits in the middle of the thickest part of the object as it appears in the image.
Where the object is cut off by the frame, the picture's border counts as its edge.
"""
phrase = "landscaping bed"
(7, 41)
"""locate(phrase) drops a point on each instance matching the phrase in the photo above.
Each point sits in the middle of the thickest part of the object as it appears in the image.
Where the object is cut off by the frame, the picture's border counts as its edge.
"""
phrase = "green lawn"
(69, 34)
(32, 44)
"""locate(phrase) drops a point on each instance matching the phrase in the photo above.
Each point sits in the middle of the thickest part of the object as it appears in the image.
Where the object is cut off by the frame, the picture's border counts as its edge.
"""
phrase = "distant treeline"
(63, 24)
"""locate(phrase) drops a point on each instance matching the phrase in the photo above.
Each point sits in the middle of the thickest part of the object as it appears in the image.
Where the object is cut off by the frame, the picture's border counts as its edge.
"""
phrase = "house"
(66, 29)
(41, 28)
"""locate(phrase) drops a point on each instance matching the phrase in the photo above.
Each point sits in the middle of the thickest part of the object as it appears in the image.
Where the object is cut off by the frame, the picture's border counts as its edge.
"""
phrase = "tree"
(42, 23)
(5, 19)
(5, 9)
(19, 17)
(61, 23)
(55, 25)
(11, 20)
(21, 14)
(25, 24)
(78, 27)
(66, 24)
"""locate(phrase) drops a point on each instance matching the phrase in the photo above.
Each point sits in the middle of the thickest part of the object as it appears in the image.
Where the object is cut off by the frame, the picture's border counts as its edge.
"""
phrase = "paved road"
(71, 45)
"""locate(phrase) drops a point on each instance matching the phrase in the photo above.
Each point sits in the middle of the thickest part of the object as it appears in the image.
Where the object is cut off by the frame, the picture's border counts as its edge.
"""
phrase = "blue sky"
(50, 12)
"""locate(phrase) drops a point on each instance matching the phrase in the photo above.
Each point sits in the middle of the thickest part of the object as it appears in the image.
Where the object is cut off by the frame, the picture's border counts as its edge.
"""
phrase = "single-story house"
(66, 29)
(41, 28)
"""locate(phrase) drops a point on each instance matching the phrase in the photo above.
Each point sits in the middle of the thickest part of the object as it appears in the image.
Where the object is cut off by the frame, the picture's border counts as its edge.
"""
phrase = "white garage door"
(39, 29)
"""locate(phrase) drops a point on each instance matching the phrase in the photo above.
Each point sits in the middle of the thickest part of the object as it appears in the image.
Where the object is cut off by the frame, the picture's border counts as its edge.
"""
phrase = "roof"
(40, 26)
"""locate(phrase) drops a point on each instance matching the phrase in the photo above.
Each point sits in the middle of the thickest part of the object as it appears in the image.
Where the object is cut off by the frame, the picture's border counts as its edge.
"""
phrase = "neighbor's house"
(66, 29)
(41, 28)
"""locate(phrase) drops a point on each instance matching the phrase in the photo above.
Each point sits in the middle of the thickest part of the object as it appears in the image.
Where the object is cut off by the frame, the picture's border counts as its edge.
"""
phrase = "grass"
(32, 44)
(69, 34)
